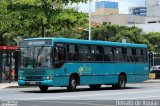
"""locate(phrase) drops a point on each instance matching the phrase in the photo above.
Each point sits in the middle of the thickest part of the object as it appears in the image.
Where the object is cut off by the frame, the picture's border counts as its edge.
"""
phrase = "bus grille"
(34, 72)
(33, 77)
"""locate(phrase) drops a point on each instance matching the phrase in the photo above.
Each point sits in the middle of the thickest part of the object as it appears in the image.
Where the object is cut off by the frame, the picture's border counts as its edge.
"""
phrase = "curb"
(6, 85)
(152, 81)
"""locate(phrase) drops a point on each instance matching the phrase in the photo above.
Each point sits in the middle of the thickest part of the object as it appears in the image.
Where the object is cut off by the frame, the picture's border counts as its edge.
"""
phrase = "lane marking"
(80, 103)
(146, 97)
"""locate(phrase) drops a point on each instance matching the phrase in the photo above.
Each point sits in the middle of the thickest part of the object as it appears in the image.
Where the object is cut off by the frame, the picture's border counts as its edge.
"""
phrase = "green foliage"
(118, 33)
(69, 19)
(105, 32)
(153, 39)
(38, 18)
(35, 18)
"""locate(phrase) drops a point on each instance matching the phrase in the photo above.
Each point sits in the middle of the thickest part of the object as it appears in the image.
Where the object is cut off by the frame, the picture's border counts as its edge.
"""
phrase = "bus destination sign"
(36, 42)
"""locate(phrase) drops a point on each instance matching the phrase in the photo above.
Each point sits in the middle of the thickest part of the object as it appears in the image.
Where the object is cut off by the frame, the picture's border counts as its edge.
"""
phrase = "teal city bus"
(62, 62)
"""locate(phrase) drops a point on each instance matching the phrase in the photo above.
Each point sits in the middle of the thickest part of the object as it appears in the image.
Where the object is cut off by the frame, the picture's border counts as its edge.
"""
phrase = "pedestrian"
(12, 74)
(7, 71)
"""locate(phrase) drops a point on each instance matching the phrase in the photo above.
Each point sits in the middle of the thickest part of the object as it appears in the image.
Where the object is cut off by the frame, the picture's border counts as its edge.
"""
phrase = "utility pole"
(89, 20)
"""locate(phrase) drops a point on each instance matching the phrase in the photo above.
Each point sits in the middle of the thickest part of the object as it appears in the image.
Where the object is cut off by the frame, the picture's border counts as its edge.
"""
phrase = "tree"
(31, 18)
(70, 19)
(104, 32)
(154, 43)
(116, 33)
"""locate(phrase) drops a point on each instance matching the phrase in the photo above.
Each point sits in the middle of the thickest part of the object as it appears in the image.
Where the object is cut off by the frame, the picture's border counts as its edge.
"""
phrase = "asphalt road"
(106, 96)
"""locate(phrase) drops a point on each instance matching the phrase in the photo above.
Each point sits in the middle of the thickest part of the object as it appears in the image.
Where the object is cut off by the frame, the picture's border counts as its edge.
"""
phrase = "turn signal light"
(50, 77)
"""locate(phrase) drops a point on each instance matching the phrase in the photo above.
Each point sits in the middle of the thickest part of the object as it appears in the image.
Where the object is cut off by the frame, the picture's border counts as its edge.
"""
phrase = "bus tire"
(97, 86)
(72, 84)
(43, 88)
(121, 82)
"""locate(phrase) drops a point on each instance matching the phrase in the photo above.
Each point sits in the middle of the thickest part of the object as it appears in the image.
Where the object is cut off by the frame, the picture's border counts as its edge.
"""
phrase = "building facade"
(149, 20)
(155, 27)
(152, 2)
(153, 7)
(142, 11)
(119, 19)
(106, 8)
(153, 11)
(107, 13)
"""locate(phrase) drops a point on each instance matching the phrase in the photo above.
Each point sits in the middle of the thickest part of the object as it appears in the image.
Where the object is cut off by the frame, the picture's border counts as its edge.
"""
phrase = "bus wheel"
(121, 82)
(43, 88)
(98, 86)
(72, 84)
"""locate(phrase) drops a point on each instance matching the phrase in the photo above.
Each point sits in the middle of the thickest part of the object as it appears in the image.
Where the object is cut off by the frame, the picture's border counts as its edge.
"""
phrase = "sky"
(123, 5)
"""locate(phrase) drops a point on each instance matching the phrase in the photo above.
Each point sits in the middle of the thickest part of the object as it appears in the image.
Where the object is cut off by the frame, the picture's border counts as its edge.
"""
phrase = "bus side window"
(118, 53)
(84, 53)
(108, 54)
(129, 55)
(72, 54)
(96, 52)
(144, 52)
(59, 56)
(138, 55)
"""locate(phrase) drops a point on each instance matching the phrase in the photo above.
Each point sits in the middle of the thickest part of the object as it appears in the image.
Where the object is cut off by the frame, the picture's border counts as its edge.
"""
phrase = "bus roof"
(94, 42)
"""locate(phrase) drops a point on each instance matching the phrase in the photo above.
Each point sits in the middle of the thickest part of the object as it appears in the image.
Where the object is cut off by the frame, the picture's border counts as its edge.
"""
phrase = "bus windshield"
(36, 57)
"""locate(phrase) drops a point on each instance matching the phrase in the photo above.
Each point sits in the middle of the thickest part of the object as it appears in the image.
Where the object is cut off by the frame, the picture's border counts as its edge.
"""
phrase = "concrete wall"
(152, 2)
(153, 11)
(139, 19)
(98, 19)
(152, 20)
(154, 27)
(105, 11)
(119, 19)
(111, 19)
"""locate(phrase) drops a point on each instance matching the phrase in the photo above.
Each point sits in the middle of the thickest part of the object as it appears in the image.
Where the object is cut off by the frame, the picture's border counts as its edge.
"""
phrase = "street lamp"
(151, 58)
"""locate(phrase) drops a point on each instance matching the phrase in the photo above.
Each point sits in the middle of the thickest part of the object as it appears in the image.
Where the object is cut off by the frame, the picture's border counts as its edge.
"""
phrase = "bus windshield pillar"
(1, 66)
(16, 55)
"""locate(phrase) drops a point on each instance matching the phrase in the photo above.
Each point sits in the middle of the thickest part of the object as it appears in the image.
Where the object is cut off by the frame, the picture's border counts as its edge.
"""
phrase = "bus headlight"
(47, 77)
(21, 78)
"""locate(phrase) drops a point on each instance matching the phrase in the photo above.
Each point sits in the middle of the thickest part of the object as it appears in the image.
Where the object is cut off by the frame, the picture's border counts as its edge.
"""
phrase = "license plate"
(32, 83)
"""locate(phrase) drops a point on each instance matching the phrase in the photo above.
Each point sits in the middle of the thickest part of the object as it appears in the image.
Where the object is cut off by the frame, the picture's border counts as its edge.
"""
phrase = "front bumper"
(35, 83)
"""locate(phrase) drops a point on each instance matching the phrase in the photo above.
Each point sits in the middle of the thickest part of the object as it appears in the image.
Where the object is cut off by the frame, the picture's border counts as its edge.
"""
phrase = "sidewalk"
(152, 81)
(5, 85)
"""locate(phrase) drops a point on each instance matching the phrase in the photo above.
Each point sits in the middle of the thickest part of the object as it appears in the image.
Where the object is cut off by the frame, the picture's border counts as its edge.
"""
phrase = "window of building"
(104, 23)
